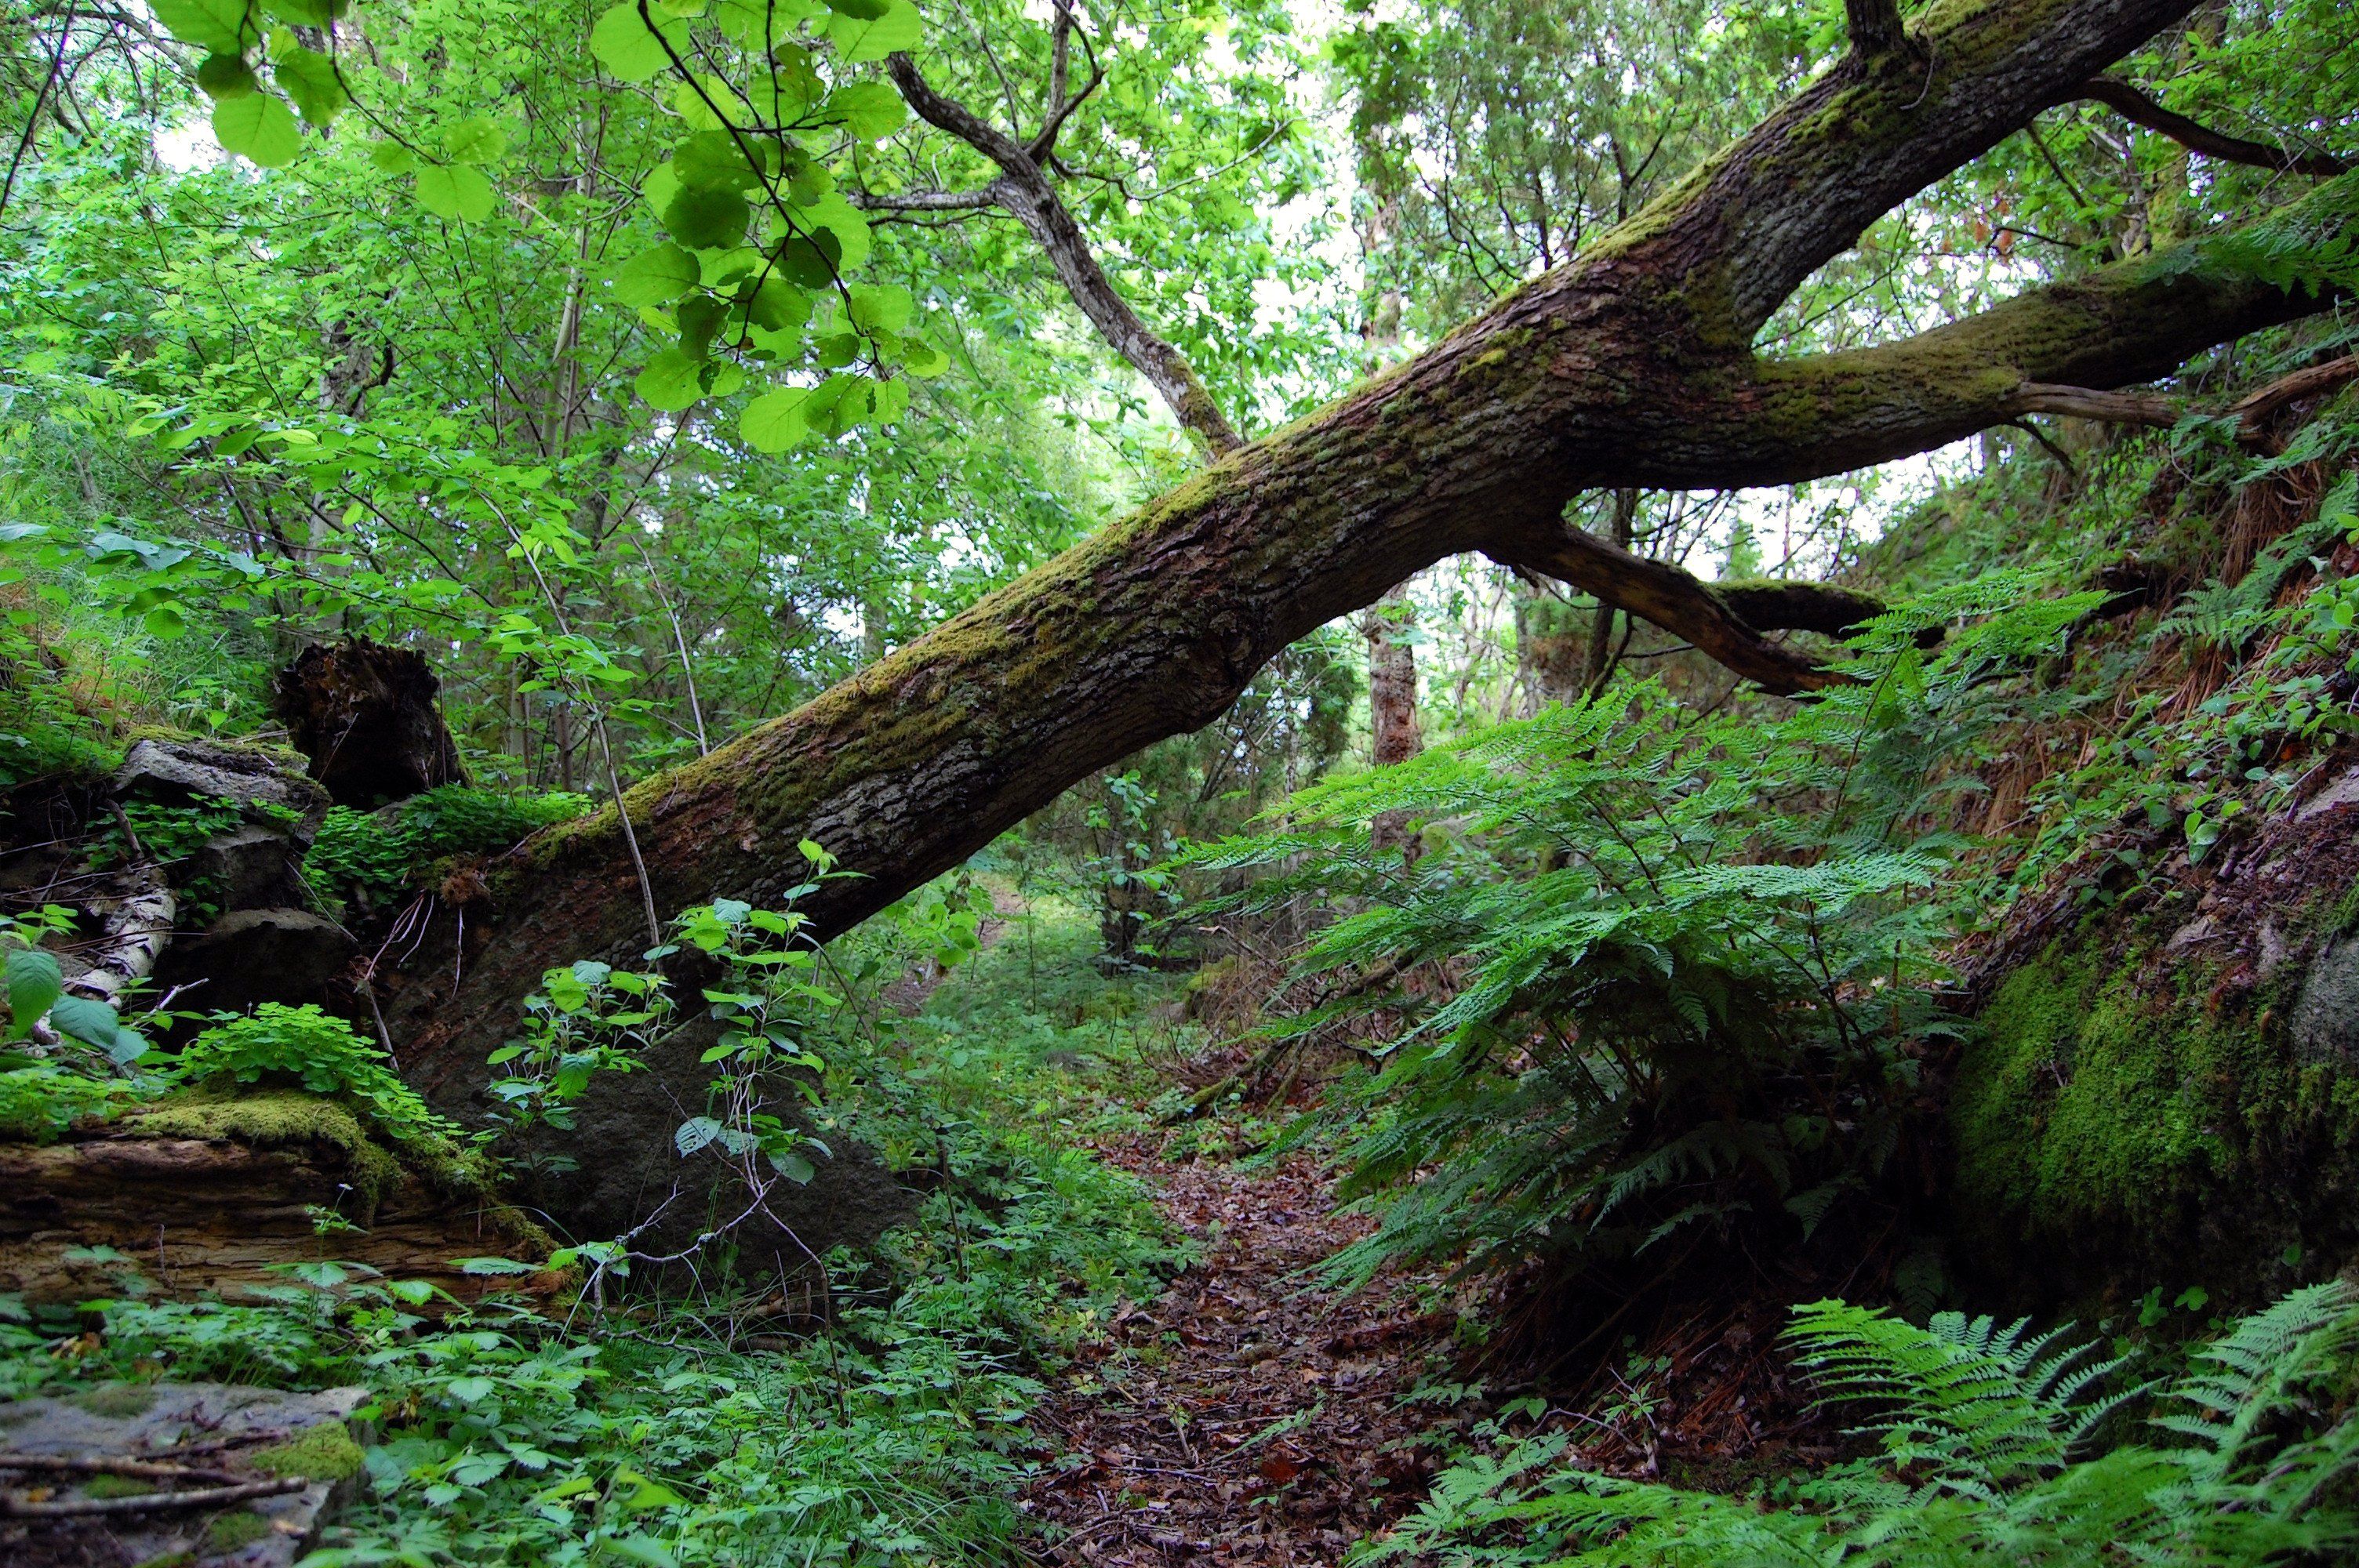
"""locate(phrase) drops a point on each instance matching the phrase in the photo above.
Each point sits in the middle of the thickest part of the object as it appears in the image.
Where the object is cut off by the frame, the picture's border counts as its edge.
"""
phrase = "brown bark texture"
(1631, 365)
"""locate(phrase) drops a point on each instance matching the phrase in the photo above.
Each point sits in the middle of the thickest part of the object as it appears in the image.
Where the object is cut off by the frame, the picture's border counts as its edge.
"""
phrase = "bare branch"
(2253, 413)
(2135, 105)
(1023, 191)
(2084, 403)
(922, 200)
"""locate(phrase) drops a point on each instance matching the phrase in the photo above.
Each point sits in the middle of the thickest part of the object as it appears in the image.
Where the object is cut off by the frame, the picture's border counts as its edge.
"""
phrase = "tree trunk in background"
(1599, 664)
(1630, 366)
(1392, 706)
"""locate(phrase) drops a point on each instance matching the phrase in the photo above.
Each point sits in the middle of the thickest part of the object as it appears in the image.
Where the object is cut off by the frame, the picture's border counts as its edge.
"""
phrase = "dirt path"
(1238, 1418)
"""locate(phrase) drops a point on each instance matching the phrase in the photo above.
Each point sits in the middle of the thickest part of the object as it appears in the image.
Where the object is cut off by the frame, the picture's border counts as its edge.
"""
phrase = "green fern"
(1981, 1466)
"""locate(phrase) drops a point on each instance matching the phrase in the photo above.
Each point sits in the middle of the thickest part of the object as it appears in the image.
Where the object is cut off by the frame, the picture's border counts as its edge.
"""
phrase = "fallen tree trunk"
(1631, 365)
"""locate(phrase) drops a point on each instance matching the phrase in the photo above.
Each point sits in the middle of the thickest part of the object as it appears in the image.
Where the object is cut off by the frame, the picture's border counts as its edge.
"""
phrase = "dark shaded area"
(369, 718)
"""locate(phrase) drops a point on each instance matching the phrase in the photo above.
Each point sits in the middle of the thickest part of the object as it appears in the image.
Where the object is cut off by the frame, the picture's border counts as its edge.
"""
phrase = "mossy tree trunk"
(1629, 367)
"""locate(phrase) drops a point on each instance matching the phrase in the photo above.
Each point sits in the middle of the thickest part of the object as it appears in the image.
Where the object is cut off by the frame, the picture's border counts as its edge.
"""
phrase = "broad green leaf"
(713, 160)
(670, 380)
(774, 421)
(309, 79)
(480, 1267)
(625, 46)
(33, 985)
(778, 306)
(888, 401)
(706, 220)
(259, 129)
(862, 39)
(694, 1134)
(766, 23)
(455, 193)
(477, 139)
(864, 10)
(93, 1023)
(306, 12)
(794, 1167)
(790, 87)
(223, 27)
(881, 306)
(658, 277)
(869, 109)
(834, 215)
(392, 157)
(922, 360)
(226, 76)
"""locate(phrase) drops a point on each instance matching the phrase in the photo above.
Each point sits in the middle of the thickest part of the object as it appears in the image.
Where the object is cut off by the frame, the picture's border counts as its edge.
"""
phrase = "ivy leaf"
(670, 382)
(259, 129)
(860, 38)
(223, 27)
(626, 44)
(476, 139)
(33, 985)
(455, 193)
(870, 110)
(658, 277)
(309, 79)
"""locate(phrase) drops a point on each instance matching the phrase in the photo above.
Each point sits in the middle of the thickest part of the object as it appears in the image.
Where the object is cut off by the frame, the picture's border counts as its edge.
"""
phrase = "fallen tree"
(1632, 365)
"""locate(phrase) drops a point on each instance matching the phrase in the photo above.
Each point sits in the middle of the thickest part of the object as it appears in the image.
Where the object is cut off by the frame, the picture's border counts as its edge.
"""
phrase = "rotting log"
(1632, 364)
(195, 1215)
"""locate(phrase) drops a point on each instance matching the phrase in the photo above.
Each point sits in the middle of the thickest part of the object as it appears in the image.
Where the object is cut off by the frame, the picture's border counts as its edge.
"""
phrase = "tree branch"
(1023, 191)
(2254, 412)
(921, 201)
(2135, 105)
(1674, 600)
(1876, 25)
(2084, 403)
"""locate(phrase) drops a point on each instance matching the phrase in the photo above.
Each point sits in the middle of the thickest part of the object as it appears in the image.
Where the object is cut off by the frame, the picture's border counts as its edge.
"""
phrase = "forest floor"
(1244, 1416)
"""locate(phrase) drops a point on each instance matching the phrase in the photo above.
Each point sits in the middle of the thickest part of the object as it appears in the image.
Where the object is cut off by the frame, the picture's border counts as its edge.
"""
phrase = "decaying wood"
(150, 1502)
(1633, 365)
(2254, 413)
(215, 1216)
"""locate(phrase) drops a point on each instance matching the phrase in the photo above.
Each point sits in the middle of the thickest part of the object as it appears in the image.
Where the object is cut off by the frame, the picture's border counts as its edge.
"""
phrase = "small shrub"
(322, 1054)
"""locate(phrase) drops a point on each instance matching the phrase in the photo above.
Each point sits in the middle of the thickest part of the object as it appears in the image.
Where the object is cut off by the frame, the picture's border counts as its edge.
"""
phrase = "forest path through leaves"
(1242, 1417)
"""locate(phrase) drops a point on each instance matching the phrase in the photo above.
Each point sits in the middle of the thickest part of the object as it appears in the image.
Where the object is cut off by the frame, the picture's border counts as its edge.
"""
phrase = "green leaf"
(477, 139)
(864, 10)
(627, 47)
(861, 39)
(658, 277)
(259, 129)
(794, 1167)
(226, 76)
(481, 1267)
(455, 193)
(774, 421)
(881, 306)
(706, 220)
(713, 160)
(33, 985)
(670, 382)
(306, 12)
(223, 27)
(871, 111)
(309, 79)
(93, 1023)
(922, 360)
(694, 1134)
(392, 157)
(832, 216)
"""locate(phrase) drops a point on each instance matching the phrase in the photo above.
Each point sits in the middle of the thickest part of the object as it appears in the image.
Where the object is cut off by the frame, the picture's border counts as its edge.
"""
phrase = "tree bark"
(1631, 365)
(1394, 737)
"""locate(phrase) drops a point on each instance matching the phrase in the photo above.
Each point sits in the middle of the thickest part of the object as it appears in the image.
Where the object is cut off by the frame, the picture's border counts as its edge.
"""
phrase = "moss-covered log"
(1631, 365)
(209, 1196)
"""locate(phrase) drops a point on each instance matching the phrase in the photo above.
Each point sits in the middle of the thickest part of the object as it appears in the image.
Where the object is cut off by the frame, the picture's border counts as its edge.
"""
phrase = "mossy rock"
(323, 1453)
(2136, 1113)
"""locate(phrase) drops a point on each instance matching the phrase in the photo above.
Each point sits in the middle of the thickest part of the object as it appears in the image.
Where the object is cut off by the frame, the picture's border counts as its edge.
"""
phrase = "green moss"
(119, 1400)
(325, 1453)
(103, 1487)
(2115, 1111)
(228, 1531)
